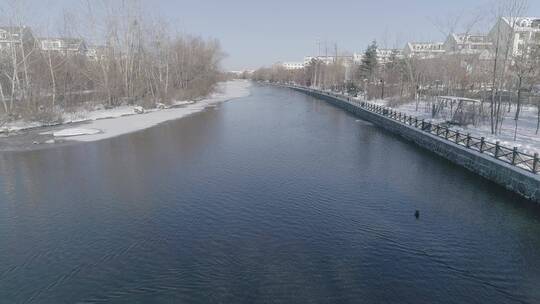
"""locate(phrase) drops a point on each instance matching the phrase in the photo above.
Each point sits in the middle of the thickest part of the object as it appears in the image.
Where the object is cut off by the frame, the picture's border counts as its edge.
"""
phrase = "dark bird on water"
(417, 214)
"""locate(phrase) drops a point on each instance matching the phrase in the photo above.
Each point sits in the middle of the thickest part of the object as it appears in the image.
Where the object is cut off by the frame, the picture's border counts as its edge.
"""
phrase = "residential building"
(424, 50)
(15, 35)
(324, 59)
(516, 33)
(385, 56)
(64, 46)
(292, 65)
(467, 44)
(357, 58)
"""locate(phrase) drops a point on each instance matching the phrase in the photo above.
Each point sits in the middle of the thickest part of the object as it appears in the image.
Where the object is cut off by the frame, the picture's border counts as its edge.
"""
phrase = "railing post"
(423, 124)
(497, 147)
(468, 144)
(514, 155)
(535, 163)
(416, 122)
(446, 133)
(457, 137)
(482, 143)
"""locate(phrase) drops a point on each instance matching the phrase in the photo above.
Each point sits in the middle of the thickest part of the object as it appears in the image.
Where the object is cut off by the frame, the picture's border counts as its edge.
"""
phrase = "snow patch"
(132, 123)
(75, 132)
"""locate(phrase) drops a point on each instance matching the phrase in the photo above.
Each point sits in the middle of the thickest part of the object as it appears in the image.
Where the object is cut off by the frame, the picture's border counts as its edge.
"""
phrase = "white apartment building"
(384, 56)
(518, 32)
(15, 35)
(324, 59)
(358, 57)
(467, 44)
(289, 66)
(65, 46)
(424, 50)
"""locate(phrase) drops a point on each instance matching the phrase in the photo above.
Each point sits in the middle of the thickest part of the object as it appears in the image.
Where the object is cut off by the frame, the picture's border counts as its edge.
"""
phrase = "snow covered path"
(112, 127)
(527, 140)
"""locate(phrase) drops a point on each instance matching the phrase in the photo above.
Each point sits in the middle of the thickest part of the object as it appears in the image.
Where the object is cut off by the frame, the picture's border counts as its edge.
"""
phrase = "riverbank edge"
(518, 181)
(42, 137)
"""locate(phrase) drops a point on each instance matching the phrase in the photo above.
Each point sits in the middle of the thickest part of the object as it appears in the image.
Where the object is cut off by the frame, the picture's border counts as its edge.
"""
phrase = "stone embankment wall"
(526, 184)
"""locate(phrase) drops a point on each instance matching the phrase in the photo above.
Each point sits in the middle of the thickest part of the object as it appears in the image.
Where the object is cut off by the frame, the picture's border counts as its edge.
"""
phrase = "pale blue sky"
(256, 33)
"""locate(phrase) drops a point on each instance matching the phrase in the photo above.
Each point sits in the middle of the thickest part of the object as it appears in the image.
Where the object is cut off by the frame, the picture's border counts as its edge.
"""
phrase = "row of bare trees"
(138, 62)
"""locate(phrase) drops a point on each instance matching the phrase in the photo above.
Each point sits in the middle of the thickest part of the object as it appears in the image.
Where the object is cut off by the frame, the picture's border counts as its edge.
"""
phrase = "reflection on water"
(276, 197)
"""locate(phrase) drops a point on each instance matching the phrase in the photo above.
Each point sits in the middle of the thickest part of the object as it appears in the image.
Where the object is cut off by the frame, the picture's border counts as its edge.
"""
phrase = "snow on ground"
(75, 132)
(85, 115)
(20, 125)
(527, 140)
(124, 123)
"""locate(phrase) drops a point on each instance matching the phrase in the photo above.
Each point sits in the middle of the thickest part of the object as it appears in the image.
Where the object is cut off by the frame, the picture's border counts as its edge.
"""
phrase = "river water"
(272, 198)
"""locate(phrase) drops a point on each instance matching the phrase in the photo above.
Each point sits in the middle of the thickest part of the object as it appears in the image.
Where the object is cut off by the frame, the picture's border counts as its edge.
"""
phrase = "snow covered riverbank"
(102, 124)
(526, 140)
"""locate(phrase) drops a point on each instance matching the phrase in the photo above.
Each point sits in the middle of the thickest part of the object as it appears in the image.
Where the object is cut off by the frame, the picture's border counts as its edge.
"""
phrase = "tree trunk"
(518, 106)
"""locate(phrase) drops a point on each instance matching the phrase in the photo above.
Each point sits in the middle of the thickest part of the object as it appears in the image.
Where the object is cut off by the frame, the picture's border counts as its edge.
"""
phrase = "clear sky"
(256, 33)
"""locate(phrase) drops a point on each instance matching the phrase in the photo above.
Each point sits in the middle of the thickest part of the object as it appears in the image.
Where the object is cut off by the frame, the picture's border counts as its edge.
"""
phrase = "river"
(272, 198)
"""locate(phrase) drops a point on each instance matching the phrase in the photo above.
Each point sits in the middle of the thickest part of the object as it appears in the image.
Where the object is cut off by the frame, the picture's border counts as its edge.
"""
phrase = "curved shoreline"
(38, 138)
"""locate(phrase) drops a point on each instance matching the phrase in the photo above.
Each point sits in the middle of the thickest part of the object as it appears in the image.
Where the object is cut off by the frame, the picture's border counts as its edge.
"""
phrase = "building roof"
(66, 40)
(471, 38)
(14, 29)
(389, 51)
(427, 45)
(523, 23)
(14, 32)
(67, 43)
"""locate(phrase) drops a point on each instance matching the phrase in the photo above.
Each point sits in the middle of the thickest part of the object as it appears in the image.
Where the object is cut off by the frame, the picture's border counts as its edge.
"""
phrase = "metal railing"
(502, 153)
